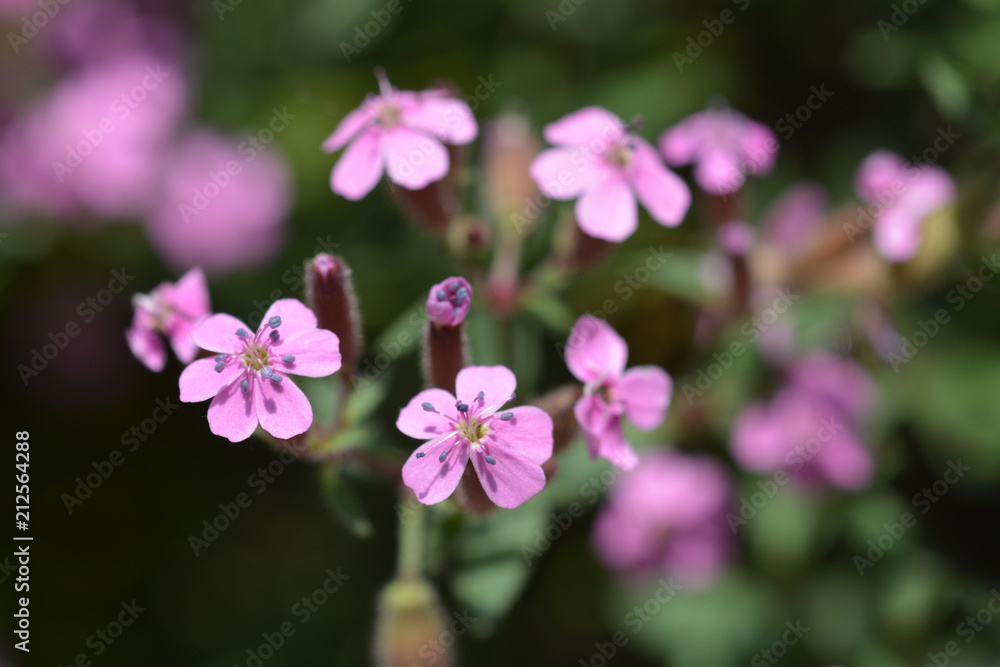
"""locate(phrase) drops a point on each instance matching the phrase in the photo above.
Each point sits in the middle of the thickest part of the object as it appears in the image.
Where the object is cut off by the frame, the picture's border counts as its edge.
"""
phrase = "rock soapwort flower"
(507, 448)
(248, 377)
(172, 309)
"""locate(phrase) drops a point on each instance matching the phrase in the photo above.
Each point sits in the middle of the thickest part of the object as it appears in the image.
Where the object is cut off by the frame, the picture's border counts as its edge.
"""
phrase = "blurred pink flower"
(507, 449)
(598, 163)
(244, 380)
(399, 132)
(735, 237)
(596, 355)
(95, 143)
(809, 428)
(221, 208)
(794, 217)
(172, 310)
(667, 516)
(448, 301)
(901, 198)
(724, 145)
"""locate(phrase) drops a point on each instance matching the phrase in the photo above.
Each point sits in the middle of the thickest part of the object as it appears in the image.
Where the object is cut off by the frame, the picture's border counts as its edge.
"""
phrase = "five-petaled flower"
(507, 448)
(247, 378)
(400, 132)
(724, 145)
(172, 309)
(599, 161)
(596, 356)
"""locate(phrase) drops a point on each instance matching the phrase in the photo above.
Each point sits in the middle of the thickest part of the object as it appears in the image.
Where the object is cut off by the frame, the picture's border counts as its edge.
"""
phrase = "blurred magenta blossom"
(398, 132)
(901, 197)
(448, 302)
(173, 310)
(605, 168)
(667, 516)
(810, 427)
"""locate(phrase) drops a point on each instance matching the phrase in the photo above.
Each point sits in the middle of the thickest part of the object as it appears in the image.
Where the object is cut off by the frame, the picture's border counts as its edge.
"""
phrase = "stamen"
(275, 322)
(481, 397)
(219, 366)
(463, 408)
(245, 385)
(507, 416)
(266, 372)
(427, 406)
(441, 295)
(492, 461)
(220, 357)
(442, 457)
(461, 295)
(274, 335)
(420, 455)
(454, 285)
(276, 378)
(242, 333)
(288, 358)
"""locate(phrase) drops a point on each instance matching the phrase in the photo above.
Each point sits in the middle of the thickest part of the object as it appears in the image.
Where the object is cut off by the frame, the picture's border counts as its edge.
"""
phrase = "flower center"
(474, 431)
(388, 114)
(256, 356)
(619, 155)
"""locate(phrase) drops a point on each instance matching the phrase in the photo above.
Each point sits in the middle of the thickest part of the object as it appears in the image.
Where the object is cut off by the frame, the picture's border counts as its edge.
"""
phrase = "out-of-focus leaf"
(945, 85)
(783, 529)
(403, 335)
(364, 400)
(344, 503)
(680, 275)
(550, 311)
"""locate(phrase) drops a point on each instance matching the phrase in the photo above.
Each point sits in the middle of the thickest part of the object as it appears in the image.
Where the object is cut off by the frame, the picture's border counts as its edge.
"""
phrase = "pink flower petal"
(877, 174)
(190, 295)
(897, 234)
(232, 414)
(360, 166)
(218, 333)
(513, 479)
(200, 381)
(181, 340)
(595, 351)
(295, 317)
(614, 447)
(718, 172)
(496, 382)
(645, 391)
(352, 124)
(758, 441)
(593, 416)
(414, 159)
(418, 423)
(147, 346)
(448, 119)
(845, 462)
(608, 210)
(759, 146)
(593, 127)
(680, 143)
(661, 191)
(430, 478)
(282, 408)
(529, 431)
(316, 352)
(564, 173)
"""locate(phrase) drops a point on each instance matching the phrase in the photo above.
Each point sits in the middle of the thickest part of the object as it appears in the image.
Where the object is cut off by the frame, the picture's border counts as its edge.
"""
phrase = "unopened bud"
(410, 627)
(448, 302)
(509, 147)
(330, 294)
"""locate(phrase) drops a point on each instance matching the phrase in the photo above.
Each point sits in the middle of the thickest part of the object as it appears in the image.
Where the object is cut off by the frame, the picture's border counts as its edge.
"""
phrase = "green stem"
(410, 559)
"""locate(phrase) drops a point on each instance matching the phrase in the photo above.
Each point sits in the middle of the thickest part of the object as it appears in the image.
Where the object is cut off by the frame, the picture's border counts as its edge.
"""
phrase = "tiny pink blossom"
(247, 376)
(667, 516)
(793, 219)
(172, 310)
(735, 237)
(507, 448)
(448, 302)
(605, 168)
(596, 356)
(399, 132)
(902, 196)
(724, 146)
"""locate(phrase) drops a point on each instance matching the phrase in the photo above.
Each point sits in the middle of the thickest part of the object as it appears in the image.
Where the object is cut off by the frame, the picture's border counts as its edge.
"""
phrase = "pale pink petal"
(496, 382)
(218, 333)
(352, 124)
(759, 441)
(428, 476)
(564, 173)
(661, 191)
(360, 166)
(593, 127)
(414, 159)
(529, 431)
(697, 557)
(295, 317)
(232, 414)
(614, 447)
(645, 391)
(316, 352)
(878, 173)
(608, 210)
(623, 541)
(845, 462)
(147, 346)
(181, 340)
(795, 215)
(718, 172)
(448, 119)
(897, 234)
(282, 408)
(595, 351)
(189, 296)
(417, 422)
(933, 190)
(673, 489)
(513, 479)
(680, 143)
(200, 381)
(758, 146)
(593, 415)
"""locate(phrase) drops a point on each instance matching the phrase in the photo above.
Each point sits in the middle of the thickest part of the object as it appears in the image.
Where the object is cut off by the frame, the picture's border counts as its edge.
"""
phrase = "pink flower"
(507, 449)
(400, 132)
(597, 161)
(448, 302)
(173, 310)
(596, 356)
(902, 196)
(667, 516)
(809, 428)
(218, 208)
(792, 220)
(246, 376)
(725, 146)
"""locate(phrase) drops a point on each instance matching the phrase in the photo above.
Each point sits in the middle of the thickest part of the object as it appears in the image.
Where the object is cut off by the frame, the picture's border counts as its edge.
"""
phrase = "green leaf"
(343, 501)
(364, 400)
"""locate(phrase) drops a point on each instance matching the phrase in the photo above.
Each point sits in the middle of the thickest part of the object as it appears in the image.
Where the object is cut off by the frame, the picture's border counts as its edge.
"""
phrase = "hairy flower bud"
(445, 349)
(330, 294)
(509, 147)
(410, 626)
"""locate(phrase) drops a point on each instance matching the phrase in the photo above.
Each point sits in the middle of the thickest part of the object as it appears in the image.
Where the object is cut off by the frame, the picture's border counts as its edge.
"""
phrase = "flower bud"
(445, 350)
(448, 302)
(330, 294)
(509, 147)
(410, 626)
